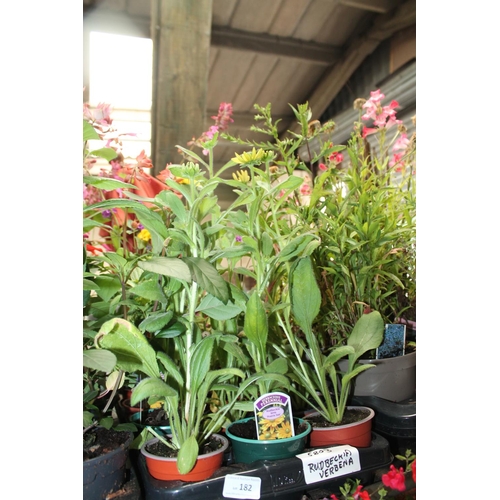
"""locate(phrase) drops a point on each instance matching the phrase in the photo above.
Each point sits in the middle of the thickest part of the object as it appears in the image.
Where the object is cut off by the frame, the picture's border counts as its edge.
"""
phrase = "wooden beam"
(181, 45)
(335, 78)
(280, 46)
(380, 6)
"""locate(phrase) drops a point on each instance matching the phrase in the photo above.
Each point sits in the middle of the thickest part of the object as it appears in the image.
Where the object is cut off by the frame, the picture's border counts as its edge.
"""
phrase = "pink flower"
(211, 131)
(305, 189)
(394, 479)
(322, 166)
(414, 470)
(397, 162)
(143, 161)
(368, 131)
(336, 158)
(223, 118)
(402, 143)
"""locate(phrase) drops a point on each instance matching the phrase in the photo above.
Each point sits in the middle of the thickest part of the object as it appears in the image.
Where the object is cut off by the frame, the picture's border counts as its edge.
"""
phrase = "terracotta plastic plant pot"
(247, 451)
(357, 434)
(125, 403)
(165, 469)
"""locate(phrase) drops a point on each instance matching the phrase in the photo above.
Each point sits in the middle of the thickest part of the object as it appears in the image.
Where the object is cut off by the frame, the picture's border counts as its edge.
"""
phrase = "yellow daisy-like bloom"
(249, 156)
(144, 235)
(284, 431)
(266, 436)
(181, 180)
(242, 176)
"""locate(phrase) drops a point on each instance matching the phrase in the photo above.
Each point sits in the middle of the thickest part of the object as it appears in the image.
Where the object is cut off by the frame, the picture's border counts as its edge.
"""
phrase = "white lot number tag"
(236, 486)
(327, 463)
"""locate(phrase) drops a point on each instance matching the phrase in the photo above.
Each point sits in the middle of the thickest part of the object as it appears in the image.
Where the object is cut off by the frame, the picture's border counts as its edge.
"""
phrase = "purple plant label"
(273, 416)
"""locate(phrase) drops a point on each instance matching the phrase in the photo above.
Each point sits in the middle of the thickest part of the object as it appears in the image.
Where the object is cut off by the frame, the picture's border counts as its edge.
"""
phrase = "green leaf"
(279, 365)
(208, 278)
(107, 287)
(131, 347)
(367, 334)
(151, 387)
(200, 361)
(297, 246)
(255, 324)
(172, 201)
(99, 359)
(150, 290)
(106, 153)
(90, 285)
(187, 455)
(305, 294)
(155, 321)
(167, 266)
(216, 309)
(106, 183)
(89, 132)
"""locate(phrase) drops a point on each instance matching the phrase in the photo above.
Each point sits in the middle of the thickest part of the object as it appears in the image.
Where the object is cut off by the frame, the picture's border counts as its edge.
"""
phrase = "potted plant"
(363, 202)
(180, 317)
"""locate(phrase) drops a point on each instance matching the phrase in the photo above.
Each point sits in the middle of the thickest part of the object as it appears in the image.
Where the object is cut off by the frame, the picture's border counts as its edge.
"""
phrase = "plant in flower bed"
(393, 484)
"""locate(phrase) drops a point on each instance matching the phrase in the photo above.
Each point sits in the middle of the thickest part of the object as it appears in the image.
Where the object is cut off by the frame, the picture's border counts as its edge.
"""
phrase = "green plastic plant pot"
(247, 451)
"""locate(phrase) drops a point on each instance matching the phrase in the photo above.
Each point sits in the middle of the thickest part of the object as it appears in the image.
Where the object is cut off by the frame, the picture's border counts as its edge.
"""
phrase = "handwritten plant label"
(273, 416)
(236, 486)
(326, 463)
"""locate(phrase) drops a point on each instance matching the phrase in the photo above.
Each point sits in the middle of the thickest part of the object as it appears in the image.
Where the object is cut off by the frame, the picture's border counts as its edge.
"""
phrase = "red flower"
(394, 479)
(360, 495)
(333, 497)
(414, 470)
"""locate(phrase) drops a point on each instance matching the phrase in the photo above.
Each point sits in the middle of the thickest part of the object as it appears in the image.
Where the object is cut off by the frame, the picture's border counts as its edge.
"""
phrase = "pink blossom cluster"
(382, 116)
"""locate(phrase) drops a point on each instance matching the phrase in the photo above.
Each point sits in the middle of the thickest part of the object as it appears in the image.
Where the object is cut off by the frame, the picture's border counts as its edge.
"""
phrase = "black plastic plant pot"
(105, 474)
(279, 479)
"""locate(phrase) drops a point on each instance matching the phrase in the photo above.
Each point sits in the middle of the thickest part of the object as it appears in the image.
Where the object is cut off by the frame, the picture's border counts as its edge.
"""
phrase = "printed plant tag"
(273, 416)
(394, 342)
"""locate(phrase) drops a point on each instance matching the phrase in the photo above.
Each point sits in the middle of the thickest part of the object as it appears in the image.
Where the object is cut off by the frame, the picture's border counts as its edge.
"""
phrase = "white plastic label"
(326, 463)
(236, 486)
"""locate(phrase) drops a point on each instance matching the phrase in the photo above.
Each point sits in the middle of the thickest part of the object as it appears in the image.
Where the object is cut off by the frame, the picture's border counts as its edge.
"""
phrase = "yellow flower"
(284, 431)
(181, 180)
(144, 235)
(249, 156)
(242, 176)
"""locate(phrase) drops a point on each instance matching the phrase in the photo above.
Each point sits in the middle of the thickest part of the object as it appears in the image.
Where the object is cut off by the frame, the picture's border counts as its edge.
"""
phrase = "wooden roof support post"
(181, 31)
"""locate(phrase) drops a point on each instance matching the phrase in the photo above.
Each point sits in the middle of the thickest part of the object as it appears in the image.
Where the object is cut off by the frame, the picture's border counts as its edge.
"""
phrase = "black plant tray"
(279, 478)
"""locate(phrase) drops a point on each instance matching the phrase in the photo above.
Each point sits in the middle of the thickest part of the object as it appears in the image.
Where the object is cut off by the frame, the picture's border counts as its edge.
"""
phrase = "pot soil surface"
(351, 416)
(99, 441)
(247, 430)
(161, 450)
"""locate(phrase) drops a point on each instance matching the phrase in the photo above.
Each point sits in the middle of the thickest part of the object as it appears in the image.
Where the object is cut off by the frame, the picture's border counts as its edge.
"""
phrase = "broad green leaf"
(208, 278)
(279, 365)
(89, 132)
(150, 290)
(267, 245)
(90, 285)
(106, 153)
(171, 368)
(256, 325)
(167, 266)
(172, 201)
(107, 287)
(296, 247)
(131, 347)
(338, 353)
(155, 321)
(200, 361)
(214, 308)
(99, 359)
(367, 334)
(305, 294)
(187, 455)
(150, 387)
(106, 183)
